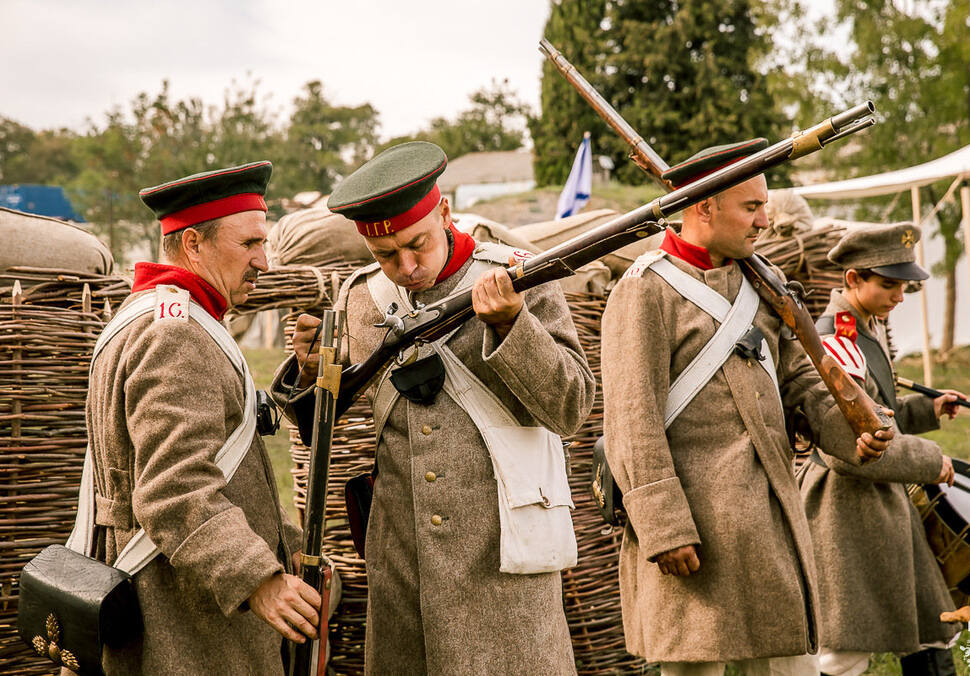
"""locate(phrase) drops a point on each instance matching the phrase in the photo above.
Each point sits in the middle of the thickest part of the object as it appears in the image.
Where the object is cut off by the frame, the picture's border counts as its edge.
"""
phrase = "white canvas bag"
(534, 499)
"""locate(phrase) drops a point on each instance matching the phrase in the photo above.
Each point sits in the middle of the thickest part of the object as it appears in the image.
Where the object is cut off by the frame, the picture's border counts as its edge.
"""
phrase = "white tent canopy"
(955, 164)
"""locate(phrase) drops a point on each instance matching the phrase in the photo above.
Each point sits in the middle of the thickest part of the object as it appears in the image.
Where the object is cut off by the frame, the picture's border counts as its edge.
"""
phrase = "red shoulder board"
(845, 325)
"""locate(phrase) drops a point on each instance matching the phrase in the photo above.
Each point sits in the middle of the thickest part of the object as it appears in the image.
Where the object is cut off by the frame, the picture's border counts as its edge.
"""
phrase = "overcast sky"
(68, 60)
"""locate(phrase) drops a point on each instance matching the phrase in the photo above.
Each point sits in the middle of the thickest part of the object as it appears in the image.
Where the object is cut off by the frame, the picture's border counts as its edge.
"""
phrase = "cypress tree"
(574, 28)
(683, 73)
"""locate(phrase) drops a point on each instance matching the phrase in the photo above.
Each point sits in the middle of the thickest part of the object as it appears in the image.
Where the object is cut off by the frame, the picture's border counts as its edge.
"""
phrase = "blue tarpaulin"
(44, 200)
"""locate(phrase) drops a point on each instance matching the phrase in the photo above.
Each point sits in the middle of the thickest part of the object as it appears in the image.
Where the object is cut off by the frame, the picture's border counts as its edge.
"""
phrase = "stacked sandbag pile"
(591, 278)
(49, 321)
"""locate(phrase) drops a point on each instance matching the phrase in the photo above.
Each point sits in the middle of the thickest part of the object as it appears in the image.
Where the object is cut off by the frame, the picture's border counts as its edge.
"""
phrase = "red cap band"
(401, 221)
(199, 213)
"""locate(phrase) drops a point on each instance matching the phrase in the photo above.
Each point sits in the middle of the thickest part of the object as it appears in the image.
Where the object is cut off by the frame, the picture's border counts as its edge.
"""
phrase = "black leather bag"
(606, 494)
(71, 605)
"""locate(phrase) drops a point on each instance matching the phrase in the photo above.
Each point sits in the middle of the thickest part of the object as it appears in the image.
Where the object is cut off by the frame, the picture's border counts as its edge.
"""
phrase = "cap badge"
(909, 239)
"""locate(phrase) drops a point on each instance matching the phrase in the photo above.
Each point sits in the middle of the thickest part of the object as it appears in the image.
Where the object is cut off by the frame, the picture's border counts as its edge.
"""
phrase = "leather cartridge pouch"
(606, 494)
(359, 493)
(421, 381)
(749, 345)
(71, 606)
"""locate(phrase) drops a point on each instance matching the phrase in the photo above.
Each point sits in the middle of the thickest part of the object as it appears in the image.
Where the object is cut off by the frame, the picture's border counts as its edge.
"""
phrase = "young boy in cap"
(716, 563)
(879, 584)
(167, 391)
(438, 599)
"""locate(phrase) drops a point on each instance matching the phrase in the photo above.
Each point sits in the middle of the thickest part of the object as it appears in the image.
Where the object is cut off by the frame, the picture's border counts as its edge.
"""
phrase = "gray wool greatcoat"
(437, 603)
(880, 587)
(720, 478)
(163, 398)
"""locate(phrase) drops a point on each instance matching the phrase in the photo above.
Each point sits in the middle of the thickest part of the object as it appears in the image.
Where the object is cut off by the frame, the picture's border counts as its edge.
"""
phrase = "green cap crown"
(711, 159)
(208, 186)
(391, 183)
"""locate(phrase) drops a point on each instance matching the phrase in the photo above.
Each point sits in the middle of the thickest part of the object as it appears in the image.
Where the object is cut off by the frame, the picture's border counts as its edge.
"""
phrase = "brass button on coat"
(757, 395)
(426, 430)
(430, 476)
(436, 520)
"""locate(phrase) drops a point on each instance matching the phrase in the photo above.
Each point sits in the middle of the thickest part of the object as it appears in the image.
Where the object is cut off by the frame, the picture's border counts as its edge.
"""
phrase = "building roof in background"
(43, 200)
(503, 166)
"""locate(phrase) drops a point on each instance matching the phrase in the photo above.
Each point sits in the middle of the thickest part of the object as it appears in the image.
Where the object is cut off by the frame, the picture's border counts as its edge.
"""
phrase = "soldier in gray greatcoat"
(436, 548)
(164, 398)
(716, 563)
(890, 601)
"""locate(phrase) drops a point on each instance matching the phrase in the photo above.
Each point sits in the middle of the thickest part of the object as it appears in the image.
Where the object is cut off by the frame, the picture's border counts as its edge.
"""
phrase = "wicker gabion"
(49, 321)
(591, 592)
(802, 256)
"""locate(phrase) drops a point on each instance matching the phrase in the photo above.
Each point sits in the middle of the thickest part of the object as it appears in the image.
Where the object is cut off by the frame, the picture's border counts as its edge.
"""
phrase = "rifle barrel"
(928, 391)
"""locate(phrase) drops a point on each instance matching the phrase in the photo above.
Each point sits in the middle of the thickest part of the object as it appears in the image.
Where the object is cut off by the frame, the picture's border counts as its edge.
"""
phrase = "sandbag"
(788, 214)
(593, 278)
(316, 237)
(29, 240)
(548, 234)
(486, 230)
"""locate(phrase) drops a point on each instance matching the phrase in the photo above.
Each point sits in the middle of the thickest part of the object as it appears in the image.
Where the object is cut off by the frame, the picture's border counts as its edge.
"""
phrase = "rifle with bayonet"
(863, 414)
(430, 322)
(310, 658)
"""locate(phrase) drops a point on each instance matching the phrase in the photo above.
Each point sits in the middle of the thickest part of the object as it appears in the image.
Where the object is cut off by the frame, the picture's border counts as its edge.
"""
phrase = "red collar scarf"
(693, 254)
(150, 275)
(464, 245)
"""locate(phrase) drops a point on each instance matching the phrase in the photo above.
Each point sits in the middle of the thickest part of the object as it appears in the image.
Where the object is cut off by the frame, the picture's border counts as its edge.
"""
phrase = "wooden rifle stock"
(861, 412)
(310, 658)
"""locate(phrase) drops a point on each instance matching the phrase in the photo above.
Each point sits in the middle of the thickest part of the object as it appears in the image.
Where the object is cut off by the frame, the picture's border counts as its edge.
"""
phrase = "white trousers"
(842, 663)
(796, 665)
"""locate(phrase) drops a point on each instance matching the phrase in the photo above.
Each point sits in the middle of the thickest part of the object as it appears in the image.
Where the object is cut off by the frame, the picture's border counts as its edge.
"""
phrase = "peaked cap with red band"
(711, 159)
(393, 190)
(202, 197)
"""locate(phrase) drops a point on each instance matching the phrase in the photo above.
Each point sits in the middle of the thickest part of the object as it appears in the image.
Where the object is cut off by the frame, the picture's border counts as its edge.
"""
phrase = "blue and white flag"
(575, 195)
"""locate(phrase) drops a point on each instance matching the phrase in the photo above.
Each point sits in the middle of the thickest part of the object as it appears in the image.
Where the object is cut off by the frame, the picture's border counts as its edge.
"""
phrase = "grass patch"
(262, 365)
(950, 373)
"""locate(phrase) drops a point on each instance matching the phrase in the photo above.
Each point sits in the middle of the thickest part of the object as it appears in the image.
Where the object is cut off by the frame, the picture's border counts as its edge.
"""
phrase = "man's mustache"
(251, 276)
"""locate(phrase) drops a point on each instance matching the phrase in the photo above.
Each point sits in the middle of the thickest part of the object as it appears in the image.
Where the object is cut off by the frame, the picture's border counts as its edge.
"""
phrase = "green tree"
(574, 28)
(496, 120)
(156, 140)
(27, 156)
(323, 142)
(911, 60)
(684, 73)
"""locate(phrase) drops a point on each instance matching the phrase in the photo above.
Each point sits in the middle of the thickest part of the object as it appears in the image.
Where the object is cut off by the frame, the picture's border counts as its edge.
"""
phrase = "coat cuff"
(660, 517)
(835, 435)
(228, 558)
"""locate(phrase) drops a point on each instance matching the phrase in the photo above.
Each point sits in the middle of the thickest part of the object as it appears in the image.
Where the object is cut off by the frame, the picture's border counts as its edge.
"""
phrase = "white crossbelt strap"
(734, 321)
(140, 550)
(384, 292)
